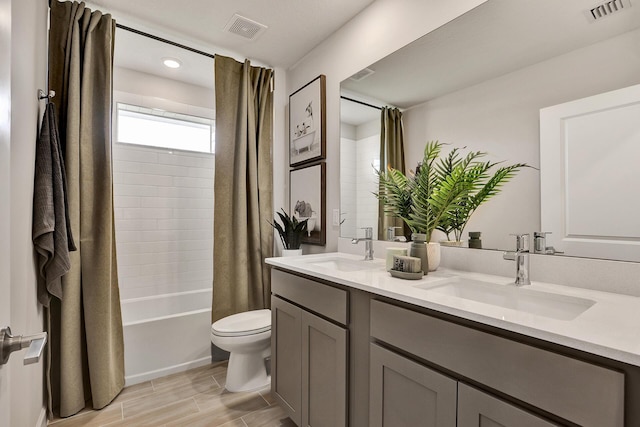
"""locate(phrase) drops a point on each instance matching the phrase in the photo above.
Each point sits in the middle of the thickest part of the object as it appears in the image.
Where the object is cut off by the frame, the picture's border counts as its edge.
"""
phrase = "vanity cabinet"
(346, 357)
(309, 350)
(407, 393)
(528, 379)
(479, 409)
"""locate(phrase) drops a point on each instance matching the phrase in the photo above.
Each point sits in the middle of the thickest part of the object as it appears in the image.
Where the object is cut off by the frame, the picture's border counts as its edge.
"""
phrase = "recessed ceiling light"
(171, 62)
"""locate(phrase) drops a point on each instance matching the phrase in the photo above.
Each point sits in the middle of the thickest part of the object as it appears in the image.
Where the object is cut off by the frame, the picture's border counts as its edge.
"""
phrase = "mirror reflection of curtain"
(243, 205)
(391, 155)
(85, 360)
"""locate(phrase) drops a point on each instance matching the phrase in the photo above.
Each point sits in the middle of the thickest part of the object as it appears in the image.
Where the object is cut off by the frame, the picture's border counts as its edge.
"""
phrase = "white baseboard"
(150, 375)
(42, 419)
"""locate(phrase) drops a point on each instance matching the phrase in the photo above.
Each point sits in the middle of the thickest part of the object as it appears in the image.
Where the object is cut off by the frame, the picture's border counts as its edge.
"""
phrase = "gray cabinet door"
(324, 373)
(479, 409)
(286, 345)
(406, 393)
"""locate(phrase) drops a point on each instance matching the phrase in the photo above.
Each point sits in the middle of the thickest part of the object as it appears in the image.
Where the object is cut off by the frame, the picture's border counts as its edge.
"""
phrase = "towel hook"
(43, 95)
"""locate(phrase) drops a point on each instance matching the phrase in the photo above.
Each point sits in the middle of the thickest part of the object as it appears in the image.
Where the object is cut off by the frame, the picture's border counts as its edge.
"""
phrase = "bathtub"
(165, 334)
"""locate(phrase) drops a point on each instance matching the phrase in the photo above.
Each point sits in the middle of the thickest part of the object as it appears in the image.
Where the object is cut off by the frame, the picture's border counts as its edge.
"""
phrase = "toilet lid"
(247, 323)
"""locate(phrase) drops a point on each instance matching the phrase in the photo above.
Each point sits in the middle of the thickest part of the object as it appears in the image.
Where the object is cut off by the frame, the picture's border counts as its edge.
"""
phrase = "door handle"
(10, 343)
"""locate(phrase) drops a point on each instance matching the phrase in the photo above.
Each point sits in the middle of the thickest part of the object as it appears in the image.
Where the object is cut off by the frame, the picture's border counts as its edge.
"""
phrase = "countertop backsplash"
(603, 275)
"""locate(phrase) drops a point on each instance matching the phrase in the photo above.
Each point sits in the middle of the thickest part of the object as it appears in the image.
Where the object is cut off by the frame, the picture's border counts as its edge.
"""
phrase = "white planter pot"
(291, 252)
(454, 243)
(433, 254)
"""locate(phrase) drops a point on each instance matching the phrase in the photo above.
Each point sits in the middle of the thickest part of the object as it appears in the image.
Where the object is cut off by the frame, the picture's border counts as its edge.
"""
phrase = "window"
(158, 128)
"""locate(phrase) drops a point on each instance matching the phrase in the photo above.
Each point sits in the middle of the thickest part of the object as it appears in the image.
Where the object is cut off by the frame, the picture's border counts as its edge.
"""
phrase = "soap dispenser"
(418, 249)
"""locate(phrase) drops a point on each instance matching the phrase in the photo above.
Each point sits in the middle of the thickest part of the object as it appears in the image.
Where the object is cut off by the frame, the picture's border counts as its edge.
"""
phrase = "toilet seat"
(241, 324)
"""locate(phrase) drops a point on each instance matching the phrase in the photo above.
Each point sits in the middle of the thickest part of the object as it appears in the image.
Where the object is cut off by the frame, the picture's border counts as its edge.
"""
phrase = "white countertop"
(609, 328)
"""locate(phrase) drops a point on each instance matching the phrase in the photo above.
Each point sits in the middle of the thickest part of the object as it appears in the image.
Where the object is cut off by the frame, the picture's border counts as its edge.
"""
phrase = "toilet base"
(247, 371)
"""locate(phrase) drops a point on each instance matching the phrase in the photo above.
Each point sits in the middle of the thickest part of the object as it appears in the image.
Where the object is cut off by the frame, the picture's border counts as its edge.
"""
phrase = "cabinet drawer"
(323, 299)
(580, 392)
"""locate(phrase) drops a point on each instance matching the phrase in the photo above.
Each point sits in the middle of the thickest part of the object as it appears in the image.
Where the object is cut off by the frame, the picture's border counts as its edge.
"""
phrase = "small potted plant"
(291, 232)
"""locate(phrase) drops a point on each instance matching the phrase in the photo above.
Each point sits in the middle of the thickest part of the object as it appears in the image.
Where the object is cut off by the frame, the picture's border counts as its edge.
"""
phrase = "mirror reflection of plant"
(291, 231)
(481, 184)
(423, 198)
(443, 192)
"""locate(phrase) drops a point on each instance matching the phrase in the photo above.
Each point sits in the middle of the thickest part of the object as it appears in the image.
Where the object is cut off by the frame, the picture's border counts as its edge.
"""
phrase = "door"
(574, 167)
(324, 373)
(285, 357)
(406, 393)
(5, 124)
(479, 409)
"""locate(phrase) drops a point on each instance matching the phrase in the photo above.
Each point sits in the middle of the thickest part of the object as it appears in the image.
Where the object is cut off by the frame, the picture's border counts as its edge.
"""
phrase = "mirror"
(480, 82)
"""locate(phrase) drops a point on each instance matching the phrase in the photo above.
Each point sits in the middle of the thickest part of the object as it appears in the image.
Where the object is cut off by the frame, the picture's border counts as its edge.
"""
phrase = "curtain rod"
(172, 43)
(361, 102)
(151, 36)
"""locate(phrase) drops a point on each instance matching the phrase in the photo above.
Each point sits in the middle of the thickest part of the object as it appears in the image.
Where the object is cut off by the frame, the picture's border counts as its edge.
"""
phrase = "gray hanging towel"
(51, 229)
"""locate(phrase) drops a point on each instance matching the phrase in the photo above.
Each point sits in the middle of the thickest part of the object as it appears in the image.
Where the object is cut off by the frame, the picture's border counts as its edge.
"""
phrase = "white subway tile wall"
(358, 182)
(348, 206)
(367, 157)
(164, 220)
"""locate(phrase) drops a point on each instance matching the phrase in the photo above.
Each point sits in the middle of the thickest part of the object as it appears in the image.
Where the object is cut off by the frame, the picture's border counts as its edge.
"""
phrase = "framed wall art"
(308, 201)
(307, 123)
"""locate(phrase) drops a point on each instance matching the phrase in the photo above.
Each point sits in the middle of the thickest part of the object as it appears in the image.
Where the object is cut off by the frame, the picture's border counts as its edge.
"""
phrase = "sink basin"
(560, 307)
(343, 264)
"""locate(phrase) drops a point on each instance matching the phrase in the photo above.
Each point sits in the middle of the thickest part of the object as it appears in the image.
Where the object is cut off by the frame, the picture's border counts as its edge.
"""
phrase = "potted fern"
(291, 232)
(441, 191)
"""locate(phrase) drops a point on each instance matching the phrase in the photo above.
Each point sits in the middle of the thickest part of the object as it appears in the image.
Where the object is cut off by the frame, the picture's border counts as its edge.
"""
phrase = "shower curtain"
(391, 154)
(243, 205)
(86, 353)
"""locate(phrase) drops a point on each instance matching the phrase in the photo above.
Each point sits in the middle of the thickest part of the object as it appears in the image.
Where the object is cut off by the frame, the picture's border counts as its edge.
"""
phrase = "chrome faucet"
(391, 235)
(540, 244)
(521, 257)
(368, 241)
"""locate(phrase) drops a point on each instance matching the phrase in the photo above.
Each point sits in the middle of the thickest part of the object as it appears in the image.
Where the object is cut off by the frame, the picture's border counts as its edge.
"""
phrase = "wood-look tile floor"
(192, 398)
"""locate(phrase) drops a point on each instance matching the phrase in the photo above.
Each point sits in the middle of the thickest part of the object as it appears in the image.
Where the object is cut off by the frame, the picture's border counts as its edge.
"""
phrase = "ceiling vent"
(362, 74)
(608, 8)
(245, 27)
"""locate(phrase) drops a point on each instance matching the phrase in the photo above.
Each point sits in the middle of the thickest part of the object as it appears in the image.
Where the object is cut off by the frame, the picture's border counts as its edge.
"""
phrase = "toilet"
(247, 337)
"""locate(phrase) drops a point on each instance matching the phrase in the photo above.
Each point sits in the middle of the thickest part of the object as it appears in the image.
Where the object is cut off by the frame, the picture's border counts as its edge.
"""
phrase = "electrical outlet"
(336, 217)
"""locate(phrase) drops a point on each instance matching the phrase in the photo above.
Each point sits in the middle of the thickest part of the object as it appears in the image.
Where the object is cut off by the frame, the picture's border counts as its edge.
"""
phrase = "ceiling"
(295, 27)
(143, 54)
(496, 38)
(355, 114)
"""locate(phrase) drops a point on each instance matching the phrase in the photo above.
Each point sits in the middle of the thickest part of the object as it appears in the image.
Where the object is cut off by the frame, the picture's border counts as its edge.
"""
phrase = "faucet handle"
(391, 233)
(368, 232)
(522, 241)
(540, 241)
(541, 233)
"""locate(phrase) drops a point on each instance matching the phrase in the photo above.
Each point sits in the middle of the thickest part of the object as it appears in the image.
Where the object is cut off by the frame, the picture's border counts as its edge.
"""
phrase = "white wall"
(367, 158)
(501, 116)
(28, 74)
(155, 89)
(163, 198)
(5, 196)
(348, 182)
(379, 30)
(359, 154)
